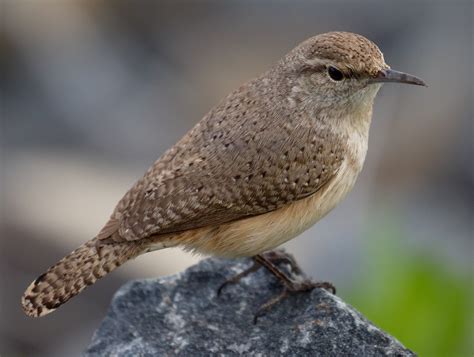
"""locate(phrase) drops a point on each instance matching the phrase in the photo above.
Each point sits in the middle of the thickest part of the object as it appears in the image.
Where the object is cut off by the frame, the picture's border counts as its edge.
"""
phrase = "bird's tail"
(72, 274)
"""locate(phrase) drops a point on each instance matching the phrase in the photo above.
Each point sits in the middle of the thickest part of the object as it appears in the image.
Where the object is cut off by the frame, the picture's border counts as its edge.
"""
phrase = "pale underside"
(251, 236)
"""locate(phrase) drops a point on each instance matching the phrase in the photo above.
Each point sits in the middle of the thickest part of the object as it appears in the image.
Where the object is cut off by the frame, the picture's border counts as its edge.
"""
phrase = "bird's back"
(246, 157)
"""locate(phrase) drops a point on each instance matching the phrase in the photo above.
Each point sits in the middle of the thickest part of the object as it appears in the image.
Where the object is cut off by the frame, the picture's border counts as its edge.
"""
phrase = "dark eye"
(335, 74)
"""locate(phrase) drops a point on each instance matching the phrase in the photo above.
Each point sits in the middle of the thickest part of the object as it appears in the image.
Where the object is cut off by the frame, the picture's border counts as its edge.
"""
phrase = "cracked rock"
(181, 315)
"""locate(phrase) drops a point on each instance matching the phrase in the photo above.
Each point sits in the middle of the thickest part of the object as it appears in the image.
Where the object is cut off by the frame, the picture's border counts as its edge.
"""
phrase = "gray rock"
(182, 315)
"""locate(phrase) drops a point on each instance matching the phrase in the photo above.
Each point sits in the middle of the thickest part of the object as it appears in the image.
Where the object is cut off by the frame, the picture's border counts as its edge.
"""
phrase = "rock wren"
(268, 162)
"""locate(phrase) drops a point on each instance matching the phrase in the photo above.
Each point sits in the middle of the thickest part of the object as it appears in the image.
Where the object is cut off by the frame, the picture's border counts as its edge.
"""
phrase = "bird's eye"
(335, 74)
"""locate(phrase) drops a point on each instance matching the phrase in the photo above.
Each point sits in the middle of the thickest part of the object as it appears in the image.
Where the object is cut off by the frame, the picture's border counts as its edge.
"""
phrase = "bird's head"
(339, 70)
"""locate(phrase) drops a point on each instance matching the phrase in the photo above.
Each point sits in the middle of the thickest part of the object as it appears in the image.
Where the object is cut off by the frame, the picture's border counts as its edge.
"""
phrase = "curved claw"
(294, 288)
(309, 285)
(326, 285)
(235, 279)
(266, 306)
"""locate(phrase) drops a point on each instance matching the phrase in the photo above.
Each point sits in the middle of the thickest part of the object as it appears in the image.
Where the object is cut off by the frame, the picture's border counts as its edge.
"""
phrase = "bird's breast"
(251, 236)
(256, 234)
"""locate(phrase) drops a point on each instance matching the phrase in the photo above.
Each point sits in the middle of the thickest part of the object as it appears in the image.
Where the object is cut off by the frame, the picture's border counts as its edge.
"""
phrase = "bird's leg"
(275, 257)
(269, 260)
(290, 286)
(280, 256)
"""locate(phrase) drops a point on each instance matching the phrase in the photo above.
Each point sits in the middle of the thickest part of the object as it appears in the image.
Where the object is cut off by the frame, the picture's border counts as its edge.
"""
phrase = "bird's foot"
(292, 288)
(270, 260)
(275, 257)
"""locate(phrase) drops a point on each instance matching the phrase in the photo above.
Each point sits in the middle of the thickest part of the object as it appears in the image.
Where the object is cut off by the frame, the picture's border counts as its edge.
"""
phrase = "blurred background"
(92, 92)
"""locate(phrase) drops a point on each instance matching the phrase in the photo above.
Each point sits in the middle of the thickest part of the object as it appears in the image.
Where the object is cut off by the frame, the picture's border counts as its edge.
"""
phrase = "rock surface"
(182, 315)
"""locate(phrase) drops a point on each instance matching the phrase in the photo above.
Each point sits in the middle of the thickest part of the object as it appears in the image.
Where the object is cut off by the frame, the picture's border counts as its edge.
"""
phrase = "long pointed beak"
(390, 75)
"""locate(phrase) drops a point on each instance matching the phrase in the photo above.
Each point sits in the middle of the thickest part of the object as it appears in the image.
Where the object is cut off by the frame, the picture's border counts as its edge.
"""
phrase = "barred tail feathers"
(72, 274)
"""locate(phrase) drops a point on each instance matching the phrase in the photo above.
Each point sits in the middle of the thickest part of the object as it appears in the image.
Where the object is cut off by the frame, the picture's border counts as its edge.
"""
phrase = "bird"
(262, 166)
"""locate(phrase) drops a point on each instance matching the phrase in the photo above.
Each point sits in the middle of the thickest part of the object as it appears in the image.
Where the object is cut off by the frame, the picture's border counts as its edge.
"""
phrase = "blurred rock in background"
(93, 92)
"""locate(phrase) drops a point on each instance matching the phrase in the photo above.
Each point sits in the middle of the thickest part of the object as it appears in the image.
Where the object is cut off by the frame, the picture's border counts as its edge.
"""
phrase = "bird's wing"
(224, 171)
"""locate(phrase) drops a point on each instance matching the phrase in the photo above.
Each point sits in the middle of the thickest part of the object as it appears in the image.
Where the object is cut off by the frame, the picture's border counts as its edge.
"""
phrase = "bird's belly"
(251, 236)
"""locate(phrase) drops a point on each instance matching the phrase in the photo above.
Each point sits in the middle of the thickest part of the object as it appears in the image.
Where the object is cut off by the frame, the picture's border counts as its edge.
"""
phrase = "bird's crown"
(350, 51)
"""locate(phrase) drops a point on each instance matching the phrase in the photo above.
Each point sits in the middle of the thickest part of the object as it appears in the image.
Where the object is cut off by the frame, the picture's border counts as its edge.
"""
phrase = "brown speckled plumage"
(68, 277)
(346, 50)
(266, 163)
